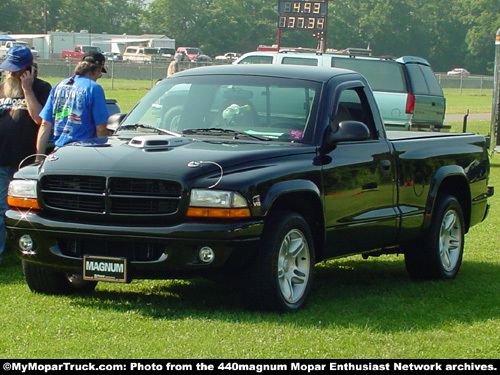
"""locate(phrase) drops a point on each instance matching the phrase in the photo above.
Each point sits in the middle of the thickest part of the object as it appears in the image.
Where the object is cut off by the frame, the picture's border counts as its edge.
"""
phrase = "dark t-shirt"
(18, 131)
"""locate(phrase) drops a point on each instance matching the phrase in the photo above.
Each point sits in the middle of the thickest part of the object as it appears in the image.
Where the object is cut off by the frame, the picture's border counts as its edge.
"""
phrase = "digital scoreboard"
(302, 15)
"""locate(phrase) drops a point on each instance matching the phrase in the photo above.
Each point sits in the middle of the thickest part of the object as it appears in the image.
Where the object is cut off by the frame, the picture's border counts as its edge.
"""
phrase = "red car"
(194, 54)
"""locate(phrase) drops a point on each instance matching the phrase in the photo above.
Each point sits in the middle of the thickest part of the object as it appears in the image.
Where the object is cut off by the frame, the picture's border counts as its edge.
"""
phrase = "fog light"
(206, 254)
(26, 245)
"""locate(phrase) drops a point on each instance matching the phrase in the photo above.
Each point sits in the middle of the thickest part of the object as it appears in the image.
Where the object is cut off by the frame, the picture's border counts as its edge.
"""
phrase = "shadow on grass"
(355, 293)
(351, 292)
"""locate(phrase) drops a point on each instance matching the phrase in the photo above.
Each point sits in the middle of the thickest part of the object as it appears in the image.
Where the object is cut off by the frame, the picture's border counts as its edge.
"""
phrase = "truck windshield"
(274, 108)
(90, 49)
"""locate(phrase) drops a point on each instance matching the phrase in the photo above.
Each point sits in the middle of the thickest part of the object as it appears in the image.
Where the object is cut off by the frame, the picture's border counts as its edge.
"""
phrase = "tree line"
(448, 33)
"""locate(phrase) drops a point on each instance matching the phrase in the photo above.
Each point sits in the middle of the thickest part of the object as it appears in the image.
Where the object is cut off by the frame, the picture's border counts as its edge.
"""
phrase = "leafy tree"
(96, 16)
(481, 19)
(448, 33)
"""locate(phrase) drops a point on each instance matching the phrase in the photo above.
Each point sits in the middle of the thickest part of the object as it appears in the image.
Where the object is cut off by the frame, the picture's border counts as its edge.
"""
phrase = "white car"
(458, 72)
(228, 57)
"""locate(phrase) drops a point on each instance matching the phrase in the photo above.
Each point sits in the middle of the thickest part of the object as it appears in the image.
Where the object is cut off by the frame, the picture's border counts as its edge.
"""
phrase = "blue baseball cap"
(17, 58)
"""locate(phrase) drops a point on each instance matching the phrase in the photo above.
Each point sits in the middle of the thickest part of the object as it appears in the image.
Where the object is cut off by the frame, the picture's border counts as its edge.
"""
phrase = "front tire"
(46, 281)
(280, 277)
(439, 253)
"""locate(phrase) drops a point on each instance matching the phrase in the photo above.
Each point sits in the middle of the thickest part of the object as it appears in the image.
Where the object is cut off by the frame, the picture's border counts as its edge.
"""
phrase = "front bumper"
(153, 252)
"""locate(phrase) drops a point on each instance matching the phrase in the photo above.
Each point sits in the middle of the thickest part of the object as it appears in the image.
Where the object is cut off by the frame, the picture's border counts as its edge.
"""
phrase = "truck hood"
(165, 156)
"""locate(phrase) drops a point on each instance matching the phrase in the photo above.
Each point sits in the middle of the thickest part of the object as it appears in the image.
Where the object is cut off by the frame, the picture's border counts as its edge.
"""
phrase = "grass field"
(358, 309)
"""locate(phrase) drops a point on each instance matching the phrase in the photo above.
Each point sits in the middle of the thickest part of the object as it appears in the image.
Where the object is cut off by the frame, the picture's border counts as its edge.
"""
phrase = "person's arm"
(101, 130)
(34, 106)
(43, 138)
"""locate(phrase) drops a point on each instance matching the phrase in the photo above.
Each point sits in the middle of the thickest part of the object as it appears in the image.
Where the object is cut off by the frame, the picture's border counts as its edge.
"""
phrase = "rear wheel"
(439, 253)
(46, 281)
(280, 278)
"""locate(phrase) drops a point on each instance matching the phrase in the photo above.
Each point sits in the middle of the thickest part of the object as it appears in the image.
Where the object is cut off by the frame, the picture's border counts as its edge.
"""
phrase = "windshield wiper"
(145, 126)
(219, 131)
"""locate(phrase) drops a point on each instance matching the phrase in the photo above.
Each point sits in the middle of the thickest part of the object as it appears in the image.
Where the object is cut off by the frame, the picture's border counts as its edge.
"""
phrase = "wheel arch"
(304, 198)
(450, 180)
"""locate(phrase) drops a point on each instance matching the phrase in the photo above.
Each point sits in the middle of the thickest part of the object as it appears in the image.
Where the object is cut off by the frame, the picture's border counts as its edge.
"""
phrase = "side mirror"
(348, 131)
(114, 121)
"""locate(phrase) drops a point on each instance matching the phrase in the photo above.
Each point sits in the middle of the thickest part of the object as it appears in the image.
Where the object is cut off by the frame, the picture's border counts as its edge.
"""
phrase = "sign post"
(303, 15)
(495, 110)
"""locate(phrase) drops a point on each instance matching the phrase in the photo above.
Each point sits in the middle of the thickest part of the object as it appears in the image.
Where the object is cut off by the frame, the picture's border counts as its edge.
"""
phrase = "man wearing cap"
(76, 109)
(22, 96)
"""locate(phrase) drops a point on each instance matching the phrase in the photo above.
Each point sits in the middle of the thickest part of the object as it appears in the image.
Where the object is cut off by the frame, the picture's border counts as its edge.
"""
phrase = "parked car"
(4, 48)
(143, 54)
(228, 57)
(406, 89)
(78, 52)
(113, 56)
(166, 52)
(458, 72)
(194, 54)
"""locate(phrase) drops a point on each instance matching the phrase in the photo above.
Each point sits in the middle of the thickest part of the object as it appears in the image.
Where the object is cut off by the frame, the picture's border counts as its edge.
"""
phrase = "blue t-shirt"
(75, 110)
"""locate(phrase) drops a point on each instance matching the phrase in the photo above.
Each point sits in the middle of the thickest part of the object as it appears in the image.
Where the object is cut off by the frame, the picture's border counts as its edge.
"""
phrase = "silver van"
(406, 90)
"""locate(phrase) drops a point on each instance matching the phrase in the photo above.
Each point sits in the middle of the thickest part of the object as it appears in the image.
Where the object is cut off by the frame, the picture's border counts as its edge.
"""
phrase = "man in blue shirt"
(76, 108)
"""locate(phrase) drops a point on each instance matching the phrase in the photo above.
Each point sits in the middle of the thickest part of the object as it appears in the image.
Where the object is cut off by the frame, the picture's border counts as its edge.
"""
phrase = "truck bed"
(396, 135)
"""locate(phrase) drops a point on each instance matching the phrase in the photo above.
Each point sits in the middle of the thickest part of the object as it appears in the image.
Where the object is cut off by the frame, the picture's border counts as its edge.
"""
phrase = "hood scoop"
(157, 141)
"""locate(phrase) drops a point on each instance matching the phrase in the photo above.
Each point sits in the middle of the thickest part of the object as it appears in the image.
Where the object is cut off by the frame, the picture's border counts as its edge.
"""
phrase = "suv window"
(299, 61)
(423, 80)
(419, 86)
(382, 75)
(432, 82)
(166, 50)
(257, 60)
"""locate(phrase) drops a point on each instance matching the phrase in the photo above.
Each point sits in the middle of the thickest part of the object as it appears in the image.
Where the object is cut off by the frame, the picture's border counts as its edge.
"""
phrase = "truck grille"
(112, 196)
(133, 251)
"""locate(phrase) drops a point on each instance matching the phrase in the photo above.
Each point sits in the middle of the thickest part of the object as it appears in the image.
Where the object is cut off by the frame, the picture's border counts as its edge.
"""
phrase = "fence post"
(495, 109)
(112, 74)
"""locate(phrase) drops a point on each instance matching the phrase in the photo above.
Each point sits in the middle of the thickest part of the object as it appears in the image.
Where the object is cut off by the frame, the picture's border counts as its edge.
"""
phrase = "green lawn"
(358, 309)
(474, 100)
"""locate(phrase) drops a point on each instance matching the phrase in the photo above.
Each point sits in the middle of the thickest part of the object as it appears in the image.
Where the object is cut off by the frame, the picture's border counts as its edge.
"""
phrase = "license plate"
(105, 269)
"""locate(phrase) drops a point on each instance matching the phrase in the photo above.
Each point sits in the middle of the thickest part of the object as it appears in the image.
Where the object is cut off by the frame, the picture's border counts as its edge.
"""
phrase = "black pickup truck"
(252, 173)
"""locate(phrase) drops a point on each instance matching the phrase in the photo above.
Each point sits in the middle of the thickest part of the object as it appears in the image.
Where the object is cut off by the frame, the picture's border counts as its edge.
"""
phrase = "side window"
(432, 82)
(417, 79)
(383, 75)
(257, 60)
(299, 61)
(353, 105)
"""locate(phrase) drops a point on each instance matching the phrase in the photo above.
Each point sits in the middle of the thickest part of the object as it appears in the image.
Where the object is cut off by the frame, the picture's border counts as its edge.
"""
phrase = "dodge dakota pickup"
(252, 173)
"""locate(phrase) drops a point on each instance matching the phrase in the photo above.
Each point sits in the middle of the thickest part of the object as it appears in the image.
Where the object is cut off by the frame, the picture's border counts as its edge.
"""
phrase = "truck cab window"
(354, 106)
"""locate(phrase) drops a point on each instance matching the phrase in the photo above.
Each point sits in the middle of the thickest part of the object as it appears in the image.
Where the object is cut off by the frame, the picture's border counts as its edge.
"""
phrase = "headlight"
(22, 193)
(217, 204)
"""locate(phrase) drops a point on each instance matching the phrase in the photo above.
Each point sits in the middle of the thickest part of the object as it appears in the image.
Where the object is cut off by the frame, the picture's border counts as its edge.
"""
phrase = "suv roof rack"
(351, 51)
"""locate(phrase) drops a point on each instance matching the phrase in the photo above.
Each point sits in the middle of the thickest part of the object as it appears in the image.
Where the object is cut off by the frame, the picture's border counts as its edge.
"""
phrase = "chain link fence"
(463, 82)
(117, 71)
(150, 73)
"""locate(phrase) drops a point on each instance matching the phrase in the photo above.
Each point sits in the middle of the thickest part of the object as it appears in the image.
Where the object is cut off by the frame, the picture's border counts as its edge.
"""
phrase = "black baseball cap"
(96, 58)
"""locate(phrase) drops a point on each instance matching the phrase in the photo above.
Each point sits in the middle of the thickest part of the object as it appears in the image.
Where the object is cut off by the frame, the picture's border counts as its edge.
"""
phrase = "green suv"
(407, 92)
